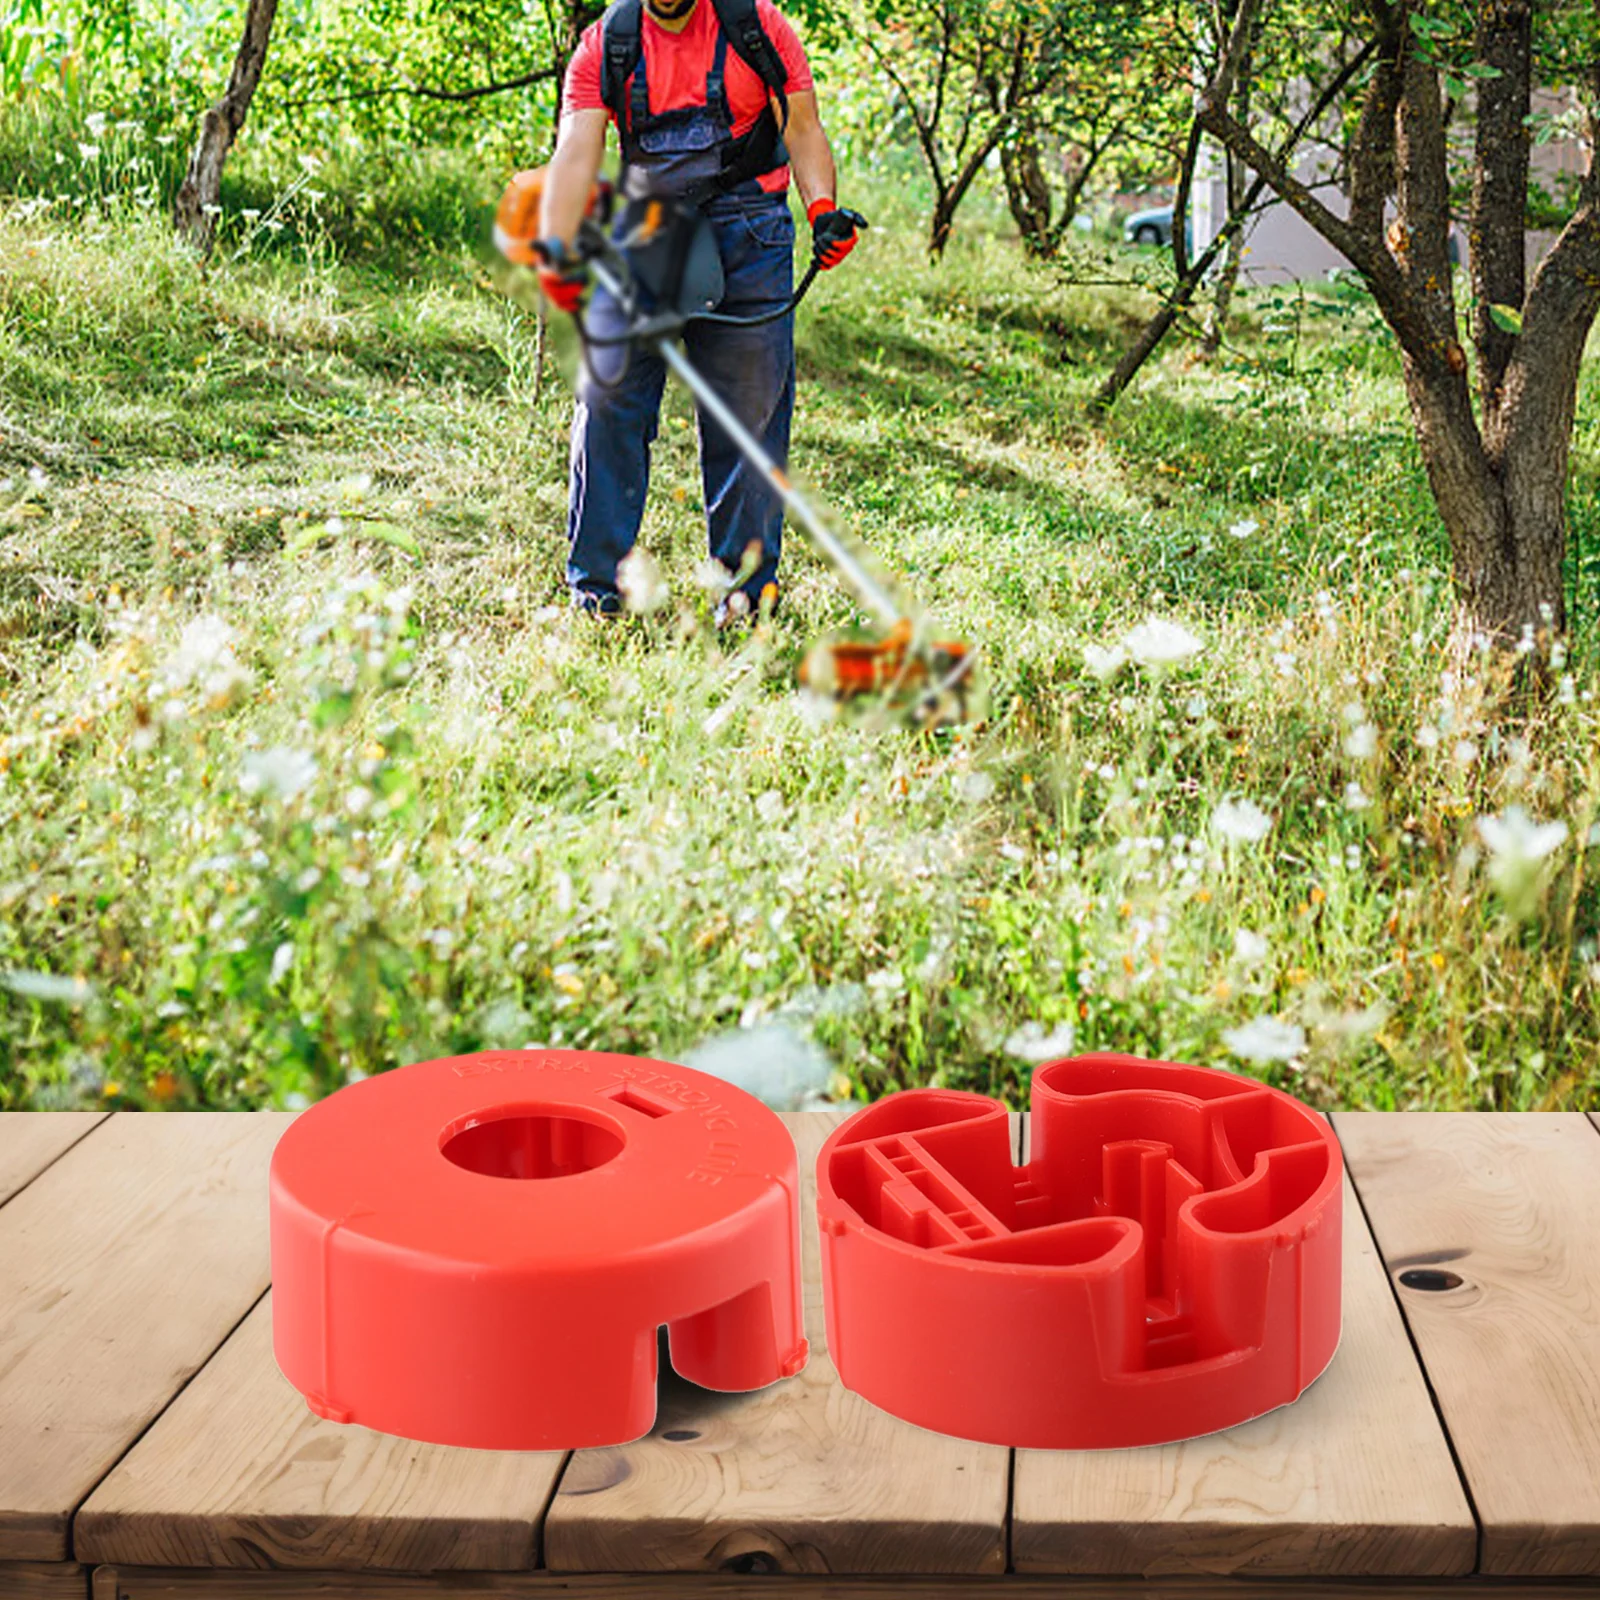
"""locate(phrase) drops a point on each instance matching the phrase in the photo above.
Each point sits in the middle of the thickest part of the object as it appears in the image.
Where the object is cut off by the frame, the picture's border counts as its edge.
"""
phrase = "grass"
(306, 771)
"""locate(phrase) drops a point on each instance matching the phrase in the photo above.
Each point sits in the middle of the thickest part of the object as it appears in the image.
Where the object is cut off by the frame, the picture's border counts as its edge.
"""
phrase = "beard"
(670, 10)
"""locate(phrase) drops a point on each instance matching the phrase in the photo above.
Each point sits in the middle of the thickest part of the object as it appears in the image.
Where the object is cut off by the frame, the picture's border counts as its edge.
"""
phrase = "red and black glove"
(561, 276)
(833, 232)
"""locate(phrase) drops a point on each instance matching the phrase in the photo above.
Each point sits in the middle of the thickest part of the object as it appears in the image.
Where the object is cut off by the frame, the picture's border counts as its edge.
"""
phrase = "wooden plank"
(1489, 1225)
(240, 1473)
(148, 1583)
(44, 1580)
(31, 1140)
(122, 1267)
(800, 1477)
(1354, 1478)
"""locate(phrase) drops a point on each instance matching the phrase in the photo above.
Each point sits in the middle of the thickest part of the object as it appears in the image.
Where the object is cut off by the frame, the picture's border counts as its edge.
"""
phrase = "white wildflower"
(282, 960)
(1244, 528)
(1427, 736)
(1514, 836)
(1031, 1043)
(639, 577)
(1266, 1039)
(1241, 821)
(1358, 1024)
(1157, 642)
(205, 658)
(47, 986)
(976, 787)
(281, 770)
(1361, 741)
(1355, 797)
(713, 576)
(1465, 753)
(1249, 947)
(1104, 661)
(1517, 847)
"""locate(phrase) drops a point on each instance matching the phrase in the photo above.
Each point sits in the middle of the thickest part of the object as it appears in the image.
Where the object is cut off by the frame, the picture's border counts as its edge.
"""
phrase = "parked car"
(1154, 226)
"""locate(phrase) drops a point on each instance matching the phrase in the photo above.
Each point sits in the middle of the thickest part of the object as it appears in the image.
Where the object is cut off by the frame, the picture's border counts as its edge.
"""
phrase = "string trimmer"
(664, 272)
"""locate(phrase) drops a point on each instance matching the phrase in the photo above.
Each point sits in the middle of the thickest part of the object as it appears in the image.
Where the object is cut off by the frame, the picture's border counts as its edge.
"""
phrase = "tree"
(1288, 107)
(1494, 431)
(195, 212)
(965, 72)
(1115, 104)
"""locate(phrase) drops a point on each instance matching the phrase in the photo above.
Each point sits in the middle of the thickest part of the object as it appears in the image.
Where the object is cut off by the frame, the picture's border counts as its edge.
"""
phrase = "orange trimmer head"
(931, 681)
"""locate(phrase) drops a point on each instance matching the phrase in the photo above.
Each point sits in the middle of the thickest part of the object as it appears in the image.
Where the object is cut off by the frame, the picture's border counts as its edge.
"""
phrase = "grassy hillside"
(306, 770)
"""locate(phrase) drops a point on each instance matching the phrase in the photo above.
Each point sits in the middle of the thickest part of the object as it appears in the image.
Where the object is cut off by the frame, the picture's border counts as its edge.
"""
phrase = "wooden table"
(149, 1447)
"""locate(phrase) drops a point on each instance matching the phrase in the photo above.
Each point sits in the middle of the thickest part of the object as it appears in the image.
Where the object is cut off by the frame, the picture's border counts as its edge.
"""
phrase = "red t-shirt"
(676, 65)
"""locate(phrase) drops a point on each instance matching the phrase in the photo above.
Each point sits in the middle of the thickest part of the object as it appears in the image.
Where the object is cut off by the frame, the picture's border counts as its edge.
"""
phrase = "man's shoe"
(608, 606)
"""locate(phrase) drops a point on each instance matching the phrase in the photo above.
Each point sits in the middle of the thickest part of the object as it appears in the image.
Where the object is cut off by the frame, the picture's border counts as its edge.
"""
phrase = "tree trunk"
(1028, 191)
(1182, 295)
(1504, 508)
(195, 212)
(1228, 275)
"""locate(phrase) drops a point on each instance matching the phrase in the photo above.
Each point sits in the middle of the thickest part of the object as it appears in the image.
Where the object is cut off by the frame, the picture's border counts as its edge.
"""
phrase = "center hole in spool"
(519, 1142)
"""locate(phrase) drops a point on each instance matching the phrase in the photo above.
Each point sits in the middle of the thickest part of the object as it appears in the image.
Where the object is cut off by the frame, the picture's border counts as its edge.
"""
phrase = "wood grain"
(122, 1267)
(1305, 1490)
(801, 1477)
(1498, 1219)
(44, 1580)
(239, 1473)
(146, 1583)
(31, 1140)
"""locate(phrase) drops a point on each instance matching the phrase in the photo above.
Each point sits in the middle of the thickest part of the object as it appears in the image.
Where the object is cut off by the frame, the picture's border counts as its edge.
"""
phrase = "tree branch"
(1504, 41)
(424, 91)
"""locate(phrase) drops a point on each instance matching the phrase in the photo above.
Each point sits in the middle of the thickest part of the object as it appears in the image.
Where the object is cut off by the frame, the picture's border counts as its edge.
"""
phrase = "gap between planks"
(31, 1142)
(1486, 1224)
(123, 1265)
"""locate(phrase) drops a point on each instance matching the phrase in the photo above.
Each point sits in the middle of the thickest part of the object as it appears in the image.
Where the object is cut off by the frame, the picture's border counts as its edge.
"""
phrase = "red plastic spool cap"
(1166, 1264)
(479, 1251)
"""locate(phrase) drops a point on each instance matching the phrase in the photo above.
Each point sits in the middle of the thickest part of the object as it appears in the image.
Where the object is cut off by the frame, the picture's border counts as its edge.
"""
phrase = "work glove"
(561, 275)
(833, 232)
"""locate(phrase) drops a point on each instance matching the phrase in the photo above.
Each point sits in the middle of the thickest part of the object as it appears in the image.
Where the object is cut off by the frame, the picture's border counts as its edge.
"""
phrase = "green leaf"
(1506, 318)
(389, 532)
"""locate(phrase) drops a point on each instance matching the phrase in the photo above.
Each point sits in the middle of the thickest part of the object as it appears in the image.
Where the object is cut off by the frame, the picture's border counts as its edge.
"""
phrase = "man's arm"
(810, 155)
(833, 232)
(570, 177)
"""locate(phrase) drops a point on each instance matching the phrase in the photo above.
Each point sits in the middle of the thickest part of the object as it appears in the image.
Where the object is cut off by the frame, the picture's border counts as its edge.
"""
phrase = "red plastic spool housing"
(1166, 1264)
(479, 1251)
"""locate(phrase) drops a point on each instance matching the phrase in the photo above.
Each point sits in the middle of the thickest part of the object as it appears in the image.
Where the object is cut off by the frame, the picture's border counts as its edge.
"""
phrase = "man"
(701, 120)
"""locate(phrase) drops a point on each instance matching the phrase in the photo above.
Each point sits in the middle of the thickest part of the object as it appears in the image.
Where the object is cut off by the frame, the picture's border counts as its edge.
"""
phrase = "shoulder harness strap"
(740, 21)
(621, 45)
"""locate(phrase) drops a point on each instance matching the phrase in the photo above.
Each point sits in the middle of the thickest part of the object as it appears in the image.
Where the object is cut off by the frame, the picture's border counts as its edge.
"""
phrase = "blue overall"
(614, 422)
